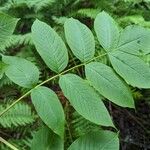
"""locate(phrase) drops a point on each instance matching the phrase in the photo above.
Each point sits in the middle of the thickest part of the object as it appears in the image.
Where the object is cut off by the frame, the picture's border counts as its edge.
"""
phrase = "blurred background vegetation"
(21, 122)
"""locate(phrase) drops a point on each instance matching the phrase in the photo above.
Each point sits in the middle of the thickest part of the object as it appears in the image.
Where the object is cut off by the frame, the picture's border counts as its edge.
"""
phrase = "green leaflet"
(50, 46)
(45, 139)
(84, 99)
(105, 80)
(49, 109)
(100, 140)
(20, 71)
(106, 31)
(133, 69)
(7, 27)
(80, 39)
(135, 40)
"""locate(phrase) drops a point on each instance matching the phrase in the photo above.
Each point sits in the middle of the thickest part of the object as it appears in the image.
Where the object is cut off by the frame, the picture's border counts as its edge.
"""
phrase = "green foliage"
(49, 109)
(127, 65)
(107, 31)
(19, 71)
(2, 68)
(37, 5)
(84, 99)
(50, 47)
(125, 53)
(81, 42)
(134, 40)
(105, 80)
(7, 26)
(19, 115)
(132, 68)
(88, 12)
(134, 19)
(80, 126)
(103, 140)
(20, 143)
(16, 40)
(45, 139)
(4, 81)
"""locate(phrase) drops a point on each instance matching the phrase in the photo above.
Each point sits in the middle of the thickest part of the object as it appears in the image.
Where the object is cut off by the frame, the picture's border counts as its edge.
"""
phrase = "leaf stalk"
(49, 79)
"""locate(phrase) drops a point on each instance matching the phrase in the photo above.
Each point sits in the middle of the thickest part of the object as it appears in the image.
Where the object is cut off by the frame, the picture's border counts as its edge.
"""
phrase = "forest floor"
(134, 125)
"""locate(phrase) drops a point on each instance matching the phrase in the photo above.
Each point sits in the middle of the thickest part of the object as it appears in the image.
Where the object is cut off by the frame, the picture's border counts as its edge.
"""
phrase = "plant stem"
(49, 79)
(8, 144)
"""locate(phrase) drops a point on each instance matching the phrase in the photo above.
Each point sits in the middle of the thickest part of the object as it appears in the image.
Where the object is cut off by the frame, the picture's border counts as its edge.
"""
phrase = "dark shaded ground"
(134, 125)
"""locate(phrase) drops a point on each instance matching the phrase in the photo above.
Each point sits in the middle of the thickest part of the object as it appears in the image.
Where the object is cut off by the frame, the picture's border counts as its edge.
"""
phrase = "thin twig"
(49, 79)
(8, 144)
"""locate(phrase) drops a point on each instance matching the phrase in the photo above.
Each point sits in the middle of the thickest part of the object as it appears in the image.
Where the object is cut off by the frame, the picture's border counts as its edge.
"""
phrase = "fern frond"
(19, 115)
(88, 12)
(132, 1)
(37, 5)
(27, 140)
(136, 94)
(16, 40)
(23, 143)
(134, 19)
(5, 81)
(59, 20)
(81, 126)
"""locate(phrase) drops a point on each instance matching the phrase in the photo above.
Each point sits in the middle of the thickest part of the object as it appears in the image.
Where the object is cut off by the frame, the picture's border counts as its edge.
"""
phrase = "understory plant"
(124, 50)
